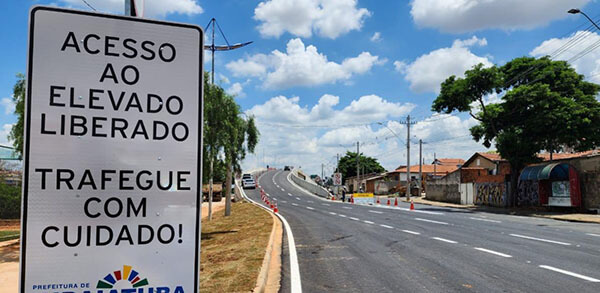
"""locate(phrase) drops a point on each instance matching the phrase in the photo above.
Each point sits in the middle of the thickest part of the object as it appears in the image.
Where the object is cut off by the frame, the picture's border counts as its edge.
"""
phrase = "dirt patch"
(233, 249)
(9, 253)
(10, 225)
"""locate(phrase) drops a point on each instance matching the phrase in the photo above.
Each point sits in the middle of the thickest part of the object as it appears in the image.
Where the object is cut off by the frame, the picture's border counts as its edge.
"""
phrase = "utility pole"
(420, 165)
(408, 123)
(357, 165)
(322, 172)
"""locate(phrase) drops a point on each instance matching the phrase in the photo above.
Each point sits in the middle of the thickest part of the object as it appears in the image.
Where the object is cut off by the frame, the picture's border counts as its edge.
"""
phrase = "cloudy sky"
(322, 74)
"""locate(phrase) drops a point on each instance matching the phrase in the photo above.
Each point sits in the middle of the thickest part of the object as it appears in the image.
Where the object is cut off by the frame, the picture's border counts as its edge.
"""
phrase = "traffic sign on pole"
(113, 146)
(337, 179)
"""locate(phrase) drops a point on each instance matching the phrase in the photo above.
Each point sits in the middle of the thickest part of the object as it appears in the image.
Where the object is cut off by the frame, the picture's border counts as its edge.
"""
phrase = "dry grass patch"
(233, 248)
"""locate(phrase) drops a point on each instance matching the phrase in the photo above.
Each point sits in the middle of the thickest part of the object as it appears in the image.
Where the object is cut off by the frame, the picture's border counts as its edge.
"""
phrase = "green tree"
(16, 133)
(243, 137)
(225, 132)
(347, 165)
(545, 105)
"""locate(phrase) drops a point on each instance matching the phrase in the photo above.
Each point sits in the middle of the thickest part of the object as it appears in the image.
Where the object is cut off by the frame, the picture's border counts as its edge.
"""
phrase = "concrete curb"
(269, 278)
(270, 272)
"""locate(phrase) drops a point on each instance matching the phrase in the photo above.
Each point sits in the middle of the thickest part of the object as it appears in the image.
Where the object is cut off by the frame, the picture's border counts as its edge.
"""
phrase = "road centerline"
(493, 252)
(485, 220)
(444, 240)
(540, 239)
(411, 232)
(572, 274)
(431, 221)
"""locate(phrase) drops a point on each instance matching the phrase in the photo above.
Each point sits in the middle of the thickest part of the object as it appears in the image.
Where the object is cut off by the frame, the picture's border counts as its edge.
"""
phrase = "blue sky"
(321, 73)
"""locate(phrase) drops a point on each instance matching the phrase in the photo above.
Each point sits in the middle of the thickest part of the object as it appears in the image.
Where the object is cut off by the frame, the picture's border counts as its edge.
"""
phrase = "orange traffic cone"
(333, 198)
(412, 205)
(388, 203)
(275, 209)
(378, 200)
(396, 202)
(352, 200)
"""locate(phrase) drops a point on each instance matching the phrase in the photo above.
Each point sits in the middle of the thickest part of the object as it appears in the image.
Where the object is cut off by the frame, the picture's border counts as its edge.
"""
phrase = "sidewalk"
(531, 212)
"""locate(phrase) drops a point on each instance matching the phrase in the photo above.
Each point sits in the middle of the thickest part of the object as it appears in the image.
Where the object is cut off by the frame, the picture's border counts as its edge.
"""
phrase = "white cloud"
(9, 105)
(152, 8)
(224, 79)
(376, 37)
(236, 90)
(458, 16)
(301, 66)
(588, 65)
(400, 66)
(4, 131)
(326, 18)
(253, 66)
(428, 71)
(318, 132)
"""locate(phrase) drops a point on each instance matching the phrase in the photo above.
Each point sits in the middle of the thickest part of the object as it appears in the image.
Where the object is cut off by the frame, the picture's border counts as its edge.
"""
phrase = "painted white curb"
(296, 284)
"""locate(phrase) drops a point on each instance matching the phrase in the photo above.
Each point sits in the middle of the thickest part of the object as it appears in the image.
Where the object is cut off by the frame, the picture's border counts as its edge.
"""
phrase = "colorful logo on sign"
(127, 274)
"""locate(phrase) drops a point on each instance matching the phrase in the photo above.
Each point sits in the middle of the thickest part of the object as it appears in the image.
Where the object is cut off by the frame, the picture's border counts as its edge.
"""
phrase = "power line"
(88, 4)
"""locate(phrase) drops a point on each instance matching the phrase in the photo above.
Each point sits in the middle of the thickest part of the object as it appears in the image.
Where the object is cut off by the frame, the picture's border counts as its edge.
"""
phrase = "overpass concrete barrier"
(310, 186)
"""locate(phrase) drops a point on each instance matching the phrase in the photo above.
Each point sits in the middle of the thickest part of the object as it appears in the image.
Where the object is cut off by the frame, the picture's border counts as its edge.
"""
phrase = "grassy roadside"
(6, 235)
(233, 248)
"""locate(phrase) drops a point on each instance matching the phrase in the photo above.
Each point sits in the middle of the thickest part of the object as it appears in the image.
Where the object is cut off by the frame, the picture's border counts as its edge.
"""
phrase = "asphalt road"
(354, 248)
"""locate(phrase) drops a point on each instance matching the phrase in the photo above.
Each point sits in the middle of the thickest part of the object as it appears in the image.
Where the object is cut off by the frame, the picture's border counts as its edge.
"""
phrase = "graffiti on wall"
(491, 194)
(528, 193)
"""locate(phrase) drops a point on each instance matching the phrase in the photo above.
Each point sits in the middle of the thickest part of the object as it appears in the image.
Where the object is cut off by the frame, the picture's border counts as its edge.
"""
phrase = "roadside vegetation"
(526, 106)
(233, 248)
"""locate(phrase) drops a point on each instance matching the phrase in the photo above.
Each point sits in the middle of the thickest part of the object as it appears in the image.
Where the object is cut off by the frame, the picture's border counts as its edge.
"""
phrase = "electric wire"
(88, 4)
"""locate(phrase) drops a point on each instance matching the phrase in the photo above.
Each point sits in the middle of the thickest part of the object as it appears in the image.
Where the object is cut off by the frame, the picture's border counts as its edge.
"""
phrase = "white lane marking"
(386, 226)
(444, 240)
(348, 208)
(295, 204)
(310, 208)
(493, 252)
(325, 204)
(431, 221)
(485, 220)
(375, 212)
(540, 239)
(369, 222)
(310, 201)
(343, 216)
(283, 190)
(289, 194)
(267, 194)
(333, 213)
(295, 280)
(591, 234)
(569, 273)
(297, 198)
(355, 219)
(411, 232)
(283, 201)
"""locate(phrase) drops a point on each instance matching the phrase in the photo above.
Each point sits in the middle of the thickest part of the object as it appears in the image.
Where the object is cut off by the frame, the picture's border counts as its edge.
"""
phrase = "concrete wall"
(309, 186)
(491, 194)
(446, 189)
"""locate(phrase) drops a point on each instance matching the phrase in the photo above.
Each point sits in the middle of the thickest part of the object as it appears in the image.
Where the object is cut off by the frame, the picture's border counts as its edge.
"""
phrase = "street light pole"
(576, 10)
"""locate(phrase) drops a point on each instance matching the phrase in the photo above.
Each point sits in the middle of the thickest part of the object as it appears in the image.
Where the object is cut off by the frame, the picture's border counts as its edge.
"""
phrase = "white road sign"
(337, 178)
(111, 196)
